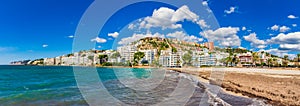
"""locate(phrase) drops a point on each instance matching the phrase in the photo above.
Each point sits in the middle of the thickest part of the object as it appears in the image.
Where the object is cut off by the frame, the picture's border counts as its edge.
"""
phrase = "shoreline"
(276, 89)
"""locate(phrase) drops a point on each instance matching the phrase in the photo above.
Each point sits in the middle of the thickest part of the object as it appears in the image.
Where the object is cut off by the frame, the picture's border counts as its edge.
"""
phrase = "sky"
(35, 29)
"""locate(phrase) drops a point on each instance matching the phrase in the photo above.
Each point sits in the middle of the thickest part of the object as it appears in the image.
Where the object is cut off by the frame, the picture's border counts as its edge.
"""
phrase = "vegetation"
(137, 57)
(103, 59)
(187, 58)
(92, 59)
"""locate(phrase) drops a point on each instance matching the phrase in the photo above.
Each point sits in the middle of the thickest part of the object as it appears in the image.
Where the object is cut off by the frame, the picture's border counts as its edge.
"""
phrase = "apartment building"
(170, 59)
(204, 59)
(149, 55)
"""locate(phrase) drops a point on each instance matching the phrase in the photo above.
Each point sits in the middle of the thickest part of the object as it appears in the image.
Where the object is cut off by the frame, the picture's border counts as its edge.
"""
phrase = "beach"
(277, 86)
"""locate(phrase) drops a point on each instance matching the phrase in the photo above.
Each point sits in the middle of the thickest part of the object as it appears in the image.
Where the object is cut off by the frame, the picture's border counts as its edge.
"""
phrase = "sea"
(83, 86)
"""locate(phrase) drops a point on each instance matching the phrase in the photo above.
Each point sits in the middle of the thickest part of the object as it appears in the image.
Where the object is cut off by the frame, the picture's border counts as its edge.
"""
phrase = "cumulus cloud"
(244, 28)
(294, 25)
(160, 18)
(184, 13)
(98, 40)
(275, 27)
(114, 35)
(131, 26)
(284, 29)
(183, 36)
(252, 38)
(292, 17)
(204, 3)
(225, 36)
(44, 45)
(136, 37)
(290, 41)
(230, 11)
(202, 24)
(167, 18)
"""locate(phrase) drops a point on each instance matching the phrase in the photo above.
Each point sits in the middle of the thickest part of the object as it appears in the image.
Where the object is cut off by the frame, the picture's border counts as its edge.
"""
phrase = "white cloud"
(225, 36)
(290, 41)
(131, 26)
(231, 10)
(294, 25)
(44, 45)
(136, 37)
(204, 3)
(292, 17)
(284, 29)
(99, 46)
(114, 35)
(202, 24)
(167, 18)
(71, 36)
(252, 38)
(160, 18)
(275, 27)
(183, 36)
(98, 40)
(244, 28)
(184, 13)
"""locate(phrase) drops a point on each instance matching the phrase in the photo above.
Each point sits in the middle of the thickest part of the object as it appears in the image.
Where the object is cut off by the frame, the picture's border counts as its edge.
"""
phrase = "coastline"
(276, 89)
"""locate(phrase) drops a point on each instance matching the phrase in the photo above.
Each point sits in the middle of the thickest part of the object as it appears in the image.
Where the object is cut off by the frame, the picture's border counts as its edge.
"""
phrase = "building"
(246, 59)
(127, 52)
(170, 59)
(204, 59)
(149, 55)
(209, 45)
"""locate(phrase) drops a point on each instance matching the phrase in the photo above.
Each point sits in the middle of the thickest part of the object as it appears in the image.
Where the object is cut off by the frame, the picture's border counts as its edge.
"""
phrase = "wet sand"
(278, 87)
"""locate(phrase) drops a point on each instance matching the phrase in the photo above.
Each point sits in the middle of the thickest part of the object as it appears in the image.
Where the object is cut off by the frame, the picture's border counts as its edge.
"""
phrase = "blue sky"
(35, 29)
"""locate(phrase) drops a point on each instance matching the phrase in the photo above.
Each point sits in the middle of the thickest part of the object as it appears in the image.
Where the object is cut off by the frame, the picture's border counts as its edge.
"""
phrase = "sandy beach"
(277, 86)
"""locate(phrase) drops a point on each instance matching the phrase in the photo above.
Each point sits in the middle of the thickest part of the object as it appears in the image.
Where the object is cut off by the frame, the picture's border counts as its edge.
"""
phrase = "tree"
(138, 56)
(115, 55)
(255, 58)
(83, 55)
(270, 60)
(298, 57)
(235, 59)
(174, 50)
(285, 62)
(103, 58)
(187, 58)
(228, 60)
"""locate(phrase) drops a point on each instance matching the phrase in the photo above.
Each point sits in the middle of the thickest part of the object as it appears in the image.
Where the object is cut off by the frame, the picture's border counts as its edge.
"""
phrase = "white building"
(170, 59)
(149, 55)
(204, 59)
(127, 52)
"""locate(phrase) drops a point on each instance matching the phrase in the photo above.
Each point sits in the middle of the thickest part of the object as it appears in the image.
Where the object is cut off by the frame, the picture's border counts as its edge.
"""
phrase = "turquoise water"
(52, 85)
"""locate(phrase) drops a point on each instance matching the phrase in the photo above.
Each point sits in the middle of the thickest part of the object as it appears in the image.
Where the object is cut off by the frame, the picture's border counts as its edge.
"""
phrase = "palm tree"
(298, 57)
(285, 60)
(228, 60)
(255, 58)
(270, 60)
(275, 62)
